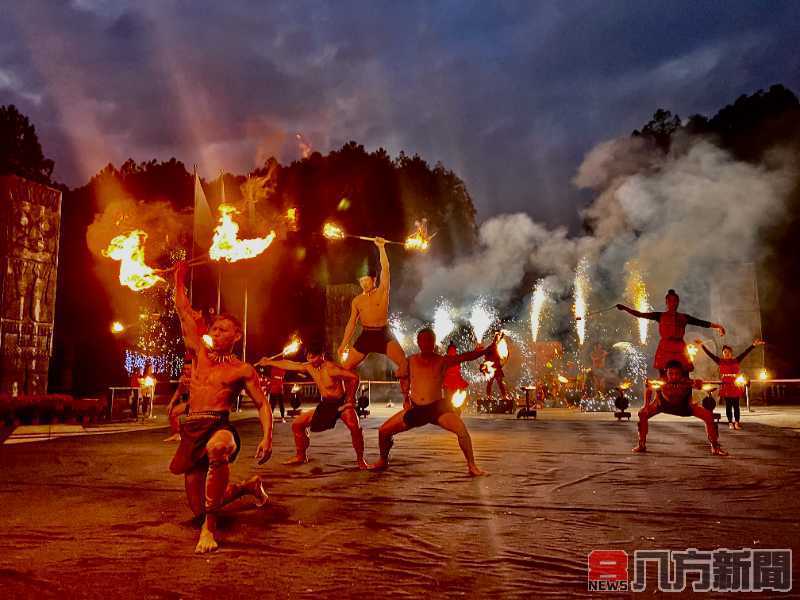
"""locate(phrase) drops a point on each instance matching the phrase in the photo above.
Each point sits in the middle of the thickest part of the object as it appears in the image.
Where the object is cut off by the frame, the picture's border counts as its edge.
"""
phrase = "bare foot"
(206, 543)
(717, 451)
(639, 448)
(362, 464)
(256, 487)
(296, 460)
(474, 471)
(175, 437)
(381, 465)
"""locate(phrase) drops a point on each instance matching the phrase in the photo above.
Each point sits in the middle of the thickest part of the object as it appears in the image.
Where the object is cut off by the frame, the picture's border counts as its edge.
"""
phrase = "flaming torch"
(502, 346)
(419, 240)
(691, 350)
(741, 380)
(117, 327)
(226, 245)
(291, 348)
(458, 398)
(208, 341)
(581, 291)
(129, 251)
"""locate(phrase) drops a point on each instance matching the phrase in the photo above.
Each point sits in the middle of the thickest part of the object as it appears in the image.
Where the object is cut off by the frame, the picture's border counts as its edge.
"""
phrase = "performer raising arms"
(671, 328)
(208, 440)
(337, 388)
(674, 397)
(425, 405)
(371, 309)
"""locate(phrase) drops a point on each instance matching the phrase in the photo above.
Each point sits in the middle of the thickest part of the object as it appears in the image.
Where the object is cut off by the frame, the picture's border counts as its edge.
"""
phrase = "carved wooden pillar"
(30, 217)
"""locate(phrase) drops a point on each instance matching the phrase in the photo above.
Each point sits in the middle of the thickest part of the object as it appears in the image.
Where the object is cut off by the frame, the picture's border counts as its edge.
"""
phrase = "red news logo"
(608, 571)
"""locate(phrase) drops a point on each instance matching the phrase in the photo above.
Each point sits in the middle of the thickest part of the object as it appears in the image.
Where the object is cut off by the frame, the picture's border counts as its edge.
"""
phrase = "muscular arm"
(191, 335)
(350, 379)
(255, 392)
(384, 283)
(286, 365)
(465, 357)
(710, 354)
(351, 326)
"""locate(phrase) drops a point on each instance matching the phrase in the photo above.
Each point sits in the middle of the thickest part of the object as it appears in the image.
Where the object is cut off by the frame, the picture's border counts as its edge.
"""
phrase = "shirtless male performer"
(671, 328)
(425, 404)
(208, 440)
(674, 397)
(371, 309)
(337, 389)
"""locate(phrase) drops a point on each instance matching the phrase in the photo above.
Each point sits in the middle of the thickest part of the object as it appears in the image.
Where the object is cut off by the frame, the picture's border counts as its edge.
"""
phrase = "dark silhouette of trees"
(20, 151)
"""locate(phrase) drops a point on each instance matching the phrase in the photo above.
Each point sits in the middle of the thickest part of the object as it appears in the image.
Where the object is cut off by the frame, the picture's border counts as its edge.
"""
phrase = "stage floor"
(100, 516)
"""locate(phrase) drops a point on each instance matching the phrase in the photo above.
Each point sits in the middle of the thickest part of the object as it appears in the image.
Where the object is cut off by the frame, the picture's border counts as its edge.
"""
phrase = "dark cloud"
(511, 95)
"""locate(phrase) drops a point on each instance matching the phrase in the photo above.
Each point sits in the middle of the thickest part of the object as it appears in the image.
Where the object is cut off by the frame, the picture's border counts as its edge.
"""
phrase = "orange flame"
(740, 380)
(295, 388)
(488, 370)
(226, 245)
(332, 231)
(655, 383)
(419, 240)
(691, 350)
(208, 341)
(625, 385)
(129, 251)
(763, 375)
(117, 327)
(459, 396)
(502, 348)
(292, 347)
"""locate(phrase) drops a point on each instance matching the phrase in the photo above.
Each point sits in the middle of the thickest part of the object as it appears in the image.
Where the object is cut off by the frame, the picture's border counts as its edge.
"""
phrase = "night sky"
(510, 95)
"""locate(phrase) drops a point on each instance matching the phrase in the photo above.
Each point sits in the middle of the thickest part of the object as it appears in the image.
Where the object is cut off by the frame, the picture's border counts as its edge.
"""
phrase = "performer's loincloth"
(424, 414)
(196, 430)
(328, 411)
(373, 339)
(676, 401)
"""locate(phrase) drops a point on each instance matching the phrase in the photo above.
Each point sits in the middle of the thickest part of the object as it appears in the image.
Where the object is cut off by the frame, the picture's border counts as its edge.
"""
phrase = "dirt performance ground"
(101, 517)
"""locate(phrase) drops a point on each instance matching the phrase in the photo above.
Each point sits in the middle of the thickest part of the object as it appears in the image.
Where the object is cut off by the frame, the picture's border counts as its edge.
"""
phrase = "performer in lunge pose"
(371, 309)
(208, 440)
(729, 370)
(674, 397)
(337, 389)
(671, 328)
(425, 404)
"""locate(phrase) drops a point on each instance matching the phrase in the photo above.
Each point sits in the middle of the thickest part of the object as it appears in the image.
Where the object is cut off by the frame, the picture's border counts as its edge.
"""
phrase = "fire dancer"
(674, 397)
(425, 404)
(371, 309)
(209, 443)
(179, 403)
(494, 369)
(671, 328)
(337, 388)
(728, 372)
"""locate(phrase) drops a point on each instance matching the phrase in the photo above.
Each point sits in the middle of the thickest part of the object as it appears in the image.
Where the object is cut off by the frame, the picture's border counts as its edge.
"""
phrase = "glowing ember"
(332, 231)
(763, 375)
(117, 327)
(581, 292)
(419, 240)
(562, 379)
(345, 354)
(654, 383)
(226, 246)
(148, 382)
(291, 218)
(481, 318)
(443, 323)
(740, 380)
(691, 350)
(637, 293)
(537, 303)
(292, 347)
(458, 399)
(625, 385)
(208, 341)
(488, 370)
(502, 347)
(295, 388)
(129, 250)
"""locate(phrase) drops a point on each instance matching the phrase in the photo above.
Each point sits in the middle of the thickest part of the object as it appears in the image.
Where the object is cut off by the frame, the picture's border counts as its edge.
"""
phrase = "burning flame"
(562, 379)
(332, 231)
(763, 375)
(488, 370)
(581, 291)
(419, 240)
(655, 383)
(637, 292)
(292, 347)
(691, 350)
(481, 318)
(537, 303)
(345, 354)
(148, 382)
(117, 327)
(459, 396)
(295, 388)
(129, 250)
(226, 246)
(443, 323)
(740, 380)
(208, 341)
(502, 347)
(291, 218)
(625, 385)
